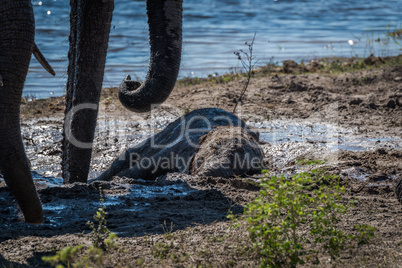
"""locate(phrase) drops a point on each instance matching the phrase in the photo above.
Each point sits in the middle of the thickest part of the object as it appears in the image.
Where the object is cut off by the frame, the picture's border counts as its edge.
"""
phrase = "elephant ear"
(165, 35)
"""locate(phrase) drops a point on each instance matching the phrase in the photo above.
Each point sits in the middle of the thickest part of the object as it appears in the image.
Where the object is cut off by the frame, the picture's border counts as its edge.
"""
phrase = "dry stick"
(248, 65)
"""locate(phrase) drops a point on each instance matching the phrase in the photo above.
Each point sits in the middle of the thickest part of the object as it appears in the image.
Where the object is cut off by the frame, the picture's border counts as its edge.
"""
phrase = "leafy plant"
(100, 235)
(309, 162)
(171, 250)
(291, 213)
(102, 241)
(168, 230)
(65, 256)
(365, 234)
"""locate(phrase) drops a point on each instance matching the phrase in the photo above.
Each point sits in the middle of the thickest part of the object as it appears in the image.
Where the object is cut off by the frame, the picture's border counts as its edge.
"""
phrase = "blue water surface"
(214, 29)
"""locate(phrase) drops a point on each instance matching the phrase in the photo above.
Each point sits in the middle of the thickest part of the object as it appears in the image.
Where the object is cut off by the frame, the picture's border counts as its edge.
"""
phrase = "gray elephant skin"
(90, 22)
(205, 142)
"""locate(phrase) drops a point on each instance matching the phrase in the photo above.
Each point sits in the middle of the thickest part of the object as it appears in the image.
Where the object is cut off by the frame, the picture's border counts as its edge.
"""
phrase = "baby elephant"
(208, 142)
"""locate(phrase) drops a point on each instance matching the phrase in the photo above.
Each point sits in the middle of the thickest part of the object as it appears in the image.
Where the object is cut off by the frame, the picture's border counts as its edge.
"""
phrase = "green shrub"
(65, 256)
(100, 235)
(291, 213)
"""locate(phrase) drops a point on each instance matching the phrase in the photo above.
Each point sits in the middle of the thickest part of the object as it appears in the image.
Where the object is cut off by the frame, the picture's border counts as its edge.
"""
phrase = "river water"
(214, 29)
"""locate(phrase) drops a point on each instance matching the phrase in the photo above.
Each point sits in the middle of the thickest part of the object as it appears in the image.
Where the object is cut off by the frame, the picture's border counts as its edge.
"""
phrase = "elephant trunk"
(165, 34)
(17, 31)
(89, 35)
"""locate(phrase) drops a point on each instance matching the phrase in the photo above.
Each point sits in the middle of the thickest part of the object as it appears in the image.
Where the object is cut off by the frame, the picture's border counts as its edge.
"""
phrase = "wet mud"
(134, 207)
(352, 122)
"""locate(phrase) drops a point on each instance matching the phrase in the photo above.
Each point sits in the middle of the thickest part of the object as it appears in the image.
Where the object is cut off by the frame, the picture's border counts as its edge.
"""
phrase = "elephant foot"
(42, 60)
(18, 178)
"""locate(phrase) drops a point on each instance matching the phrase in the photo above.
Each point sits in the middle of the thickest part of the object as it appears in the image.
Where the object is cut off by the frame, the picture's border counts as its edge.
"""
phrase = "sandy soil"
(366, 103)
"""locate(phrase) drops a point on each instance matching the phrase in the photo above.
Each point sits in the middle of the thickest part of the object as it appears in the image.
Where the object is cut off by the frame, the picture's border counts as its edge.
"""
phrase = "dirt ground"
(366, 103)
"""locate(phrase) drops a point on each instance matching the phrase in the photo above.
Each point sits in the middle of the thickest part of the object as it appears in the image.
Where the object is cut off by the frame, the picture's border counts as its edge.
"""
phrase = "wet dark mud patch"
(134, 207)
(137, 207)
(371, 173)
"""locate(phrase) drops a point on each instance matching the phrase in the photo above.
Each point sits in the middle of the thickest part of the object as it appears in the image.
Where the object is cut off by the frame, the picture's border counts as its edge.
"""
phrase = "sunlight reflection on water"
(213, 30)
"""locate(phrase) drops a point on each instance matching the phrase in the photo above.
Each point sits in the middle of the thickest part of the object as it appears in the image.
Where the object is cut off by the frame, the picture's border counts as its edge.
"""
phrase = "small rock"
(290, 101)
(381, 151)
(397, 79)
(391, 104)
(355, 101)
(378, 177)
(289, 66)
(372, 106)
(314, 65)
(297, 86)
(371, 60)
(342, 107)
(399, 102)
(275, 78)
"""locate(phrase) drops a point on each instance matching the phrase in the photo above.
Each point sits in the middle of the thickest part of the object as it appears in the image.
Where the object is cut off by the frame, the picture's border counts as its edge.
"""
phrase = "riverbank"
(367, 92)
(328, 104)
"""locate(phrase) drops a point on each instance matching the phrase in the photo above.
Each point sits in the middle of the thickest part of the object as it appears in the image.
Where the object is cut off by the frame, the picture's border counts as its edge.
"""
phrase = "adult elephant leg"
(89, 35)
(17, 31)
(165, 35)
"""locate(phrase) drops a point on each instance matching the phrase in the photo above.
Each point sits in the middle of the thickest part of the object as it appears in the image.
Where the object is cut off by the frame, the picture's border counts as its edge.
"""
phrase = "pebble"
(391, 104)
(372, 106)
(355, 101)
(378, 177)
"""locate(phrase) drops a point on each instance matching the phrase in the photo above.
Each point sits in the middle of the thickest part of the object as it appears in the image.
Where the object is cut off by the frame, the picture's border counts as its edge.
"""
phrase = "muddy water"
(283, 141)
(290, 140)
(138, 206)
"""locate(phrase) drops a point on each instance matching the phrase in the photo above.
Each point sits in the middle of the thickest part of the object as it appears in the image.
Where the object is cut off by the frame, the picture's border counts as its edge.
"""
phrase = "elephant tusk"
(39, 56)
(1, 81)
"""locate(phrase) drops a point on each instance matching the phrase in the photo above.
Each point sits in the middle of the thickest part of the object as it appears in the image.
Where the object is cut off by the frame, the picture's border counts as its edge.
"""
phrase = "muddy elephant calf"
(208, 142)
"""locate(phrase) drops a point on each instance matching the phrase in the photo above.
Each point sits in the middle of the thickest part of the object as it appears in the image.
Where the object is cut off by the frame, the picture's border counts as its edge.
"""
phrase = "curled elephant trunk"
(165, 34)
(17, 32)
